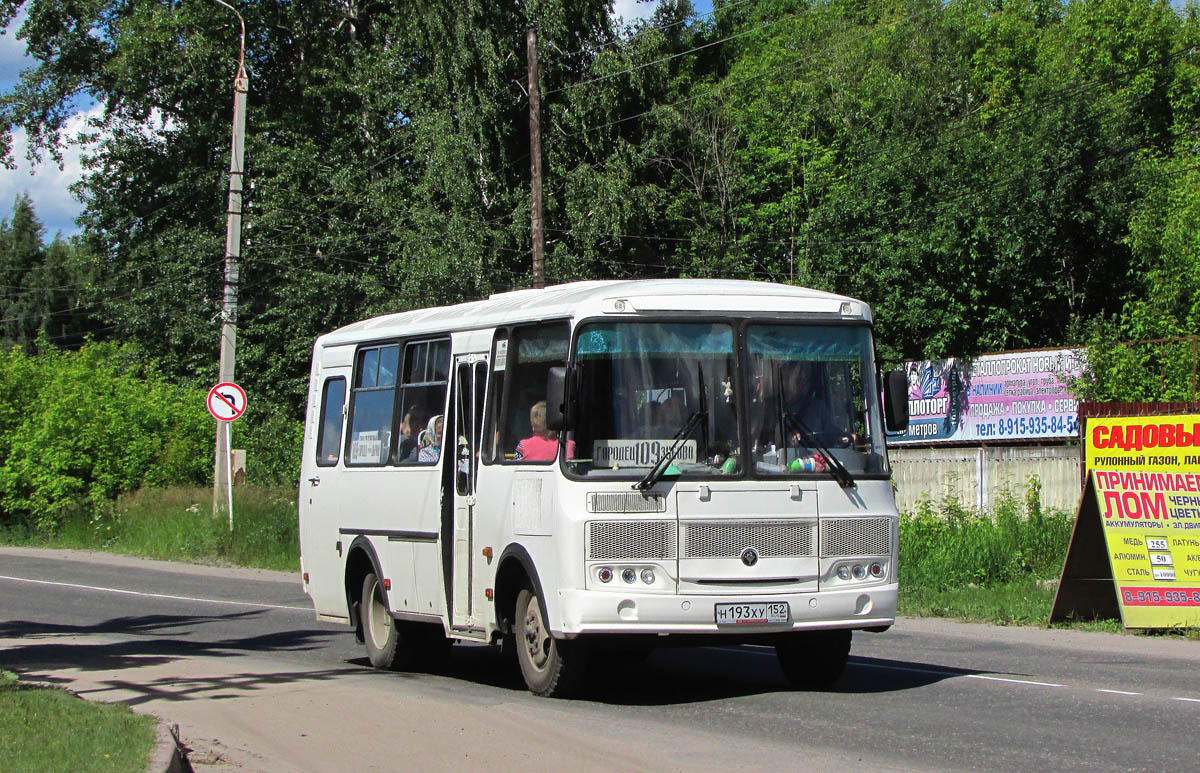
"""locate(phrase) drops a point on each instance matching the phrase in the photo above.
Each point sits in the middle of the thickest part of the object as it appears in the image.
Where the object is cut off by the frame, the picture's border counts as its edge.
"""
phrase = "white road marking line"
(936, 672)
(154, 595)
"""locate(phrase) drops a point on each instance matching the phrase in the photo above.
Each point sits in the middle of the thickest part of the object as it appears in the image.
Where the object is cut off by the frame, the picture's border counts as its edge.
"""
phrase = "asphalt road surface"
(236, 658)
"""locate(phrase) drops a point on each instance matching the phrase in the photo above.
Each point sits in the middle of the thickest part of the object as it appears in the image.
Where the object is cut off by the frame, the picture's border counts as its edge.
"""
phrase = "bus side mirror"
(895, 401)
(556, 399)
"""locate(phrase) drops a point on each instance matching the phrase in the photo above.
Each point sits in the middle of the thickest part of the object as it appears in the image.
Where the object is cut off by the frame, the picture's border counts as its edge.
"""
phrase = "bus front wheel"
(552, 667)
(814, 660)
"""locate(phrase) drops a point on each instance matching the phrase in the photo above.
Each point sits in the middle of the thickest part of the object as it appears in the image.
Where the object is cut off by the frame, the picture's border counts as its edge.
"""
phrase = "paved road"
(236, 658)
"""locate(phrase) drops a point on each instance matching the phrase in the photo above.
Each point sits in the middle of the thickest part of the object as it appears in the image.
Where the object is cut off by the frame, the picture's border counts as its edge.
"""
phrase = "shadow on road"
(669, 676)
(157, 639)
(677, 675)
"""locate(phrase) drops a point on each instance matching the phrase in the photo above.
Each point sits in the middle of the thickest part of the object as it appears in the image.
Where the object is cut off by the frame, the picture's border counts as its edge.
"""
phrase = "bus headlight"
(628, 575)
(843, 572)
(859, 571)
(648, 576)
(605, 574)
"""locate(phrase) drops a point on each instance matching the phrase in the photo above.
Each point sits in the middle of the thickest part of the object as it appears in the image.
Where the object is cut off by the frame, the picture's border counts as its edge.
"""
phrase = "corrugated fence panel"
(975, 477)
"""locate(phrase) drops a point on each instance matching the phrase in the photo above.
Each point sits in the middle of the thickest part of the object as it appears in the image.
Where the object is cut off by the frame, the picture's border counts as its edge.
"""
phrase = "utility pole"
(535, 163)
(233, 251)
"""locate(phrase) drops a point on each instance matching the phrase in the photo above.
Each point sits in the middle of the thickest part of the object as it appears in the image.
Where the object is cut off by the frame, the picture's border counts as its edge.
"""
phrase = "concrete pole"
(233, 252)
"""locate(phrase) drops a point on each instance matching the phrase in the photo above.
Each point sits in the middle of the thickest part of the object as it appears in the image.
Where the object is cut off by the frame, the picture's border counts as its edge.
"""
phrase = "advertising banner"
(1144, 495)
(1010, 396)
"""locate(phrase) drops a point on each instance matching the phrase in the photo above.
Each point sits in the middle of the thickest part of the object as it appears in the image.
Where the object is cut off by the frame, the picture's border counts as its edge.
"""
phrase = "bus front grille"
(856, 537)
(630, 540)
(772, 539)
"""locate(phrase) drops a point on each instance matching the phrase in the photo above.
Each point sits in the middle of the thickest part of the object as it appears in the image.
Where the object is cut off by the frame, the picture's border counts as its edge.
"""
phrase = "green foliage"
(945, 546)
(987, 175)
(44, 286)
(79, 428)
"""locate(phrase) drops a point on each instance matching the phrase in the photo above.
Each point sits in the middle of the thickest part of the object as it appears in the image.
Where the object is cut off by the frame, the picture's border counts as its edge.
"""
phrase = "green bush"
(79, 428)
(947, 546)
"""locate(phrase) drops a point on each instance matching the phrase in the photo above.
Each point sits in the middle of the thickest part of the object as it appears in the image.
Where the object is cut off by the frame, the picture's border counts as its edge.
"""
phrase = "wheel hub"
(537, 640)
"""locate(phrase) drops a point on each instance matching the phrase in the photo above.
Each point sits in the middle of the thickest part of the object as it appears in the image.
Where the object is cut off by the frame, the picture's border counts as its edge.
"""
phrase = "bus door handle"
(314, 482)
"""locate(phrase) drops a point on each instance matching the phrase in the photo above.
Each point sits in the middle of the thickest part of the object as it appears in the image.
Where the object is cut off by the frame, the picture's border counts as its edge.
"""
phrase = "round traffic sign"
(226, 401)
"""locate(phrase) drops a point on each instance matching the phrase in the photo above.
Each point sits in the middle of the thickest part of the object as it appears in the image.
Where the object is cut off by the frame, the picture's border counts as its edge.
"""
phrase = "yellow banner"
(1147, 481)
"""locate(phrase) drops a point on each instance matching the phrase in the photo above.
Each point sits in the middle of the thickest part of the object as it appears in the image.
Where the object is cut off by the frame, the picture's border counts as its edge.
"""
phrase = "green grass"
(176, 524)
(983, 567)
(48, 729)
(1019, 602)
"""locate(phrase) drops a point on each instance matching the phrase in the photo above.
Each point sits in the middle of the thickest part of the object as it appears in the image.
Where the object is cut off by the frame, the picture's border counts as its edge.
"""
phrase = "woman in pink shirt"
(542, 446)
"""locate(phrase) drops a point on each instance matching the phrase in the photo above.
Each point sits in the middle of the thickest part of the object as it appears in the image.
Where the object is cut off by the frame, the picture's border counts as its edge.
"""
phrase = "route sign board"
(226, 401)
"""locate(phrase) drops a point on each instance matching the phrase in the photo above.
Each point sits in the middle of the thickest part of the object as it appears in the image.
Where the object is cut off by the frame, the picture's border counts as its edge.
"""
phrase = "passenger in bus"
(542, 445)
(410, 431)
(431, 441)
(666, 418)
(803, 402)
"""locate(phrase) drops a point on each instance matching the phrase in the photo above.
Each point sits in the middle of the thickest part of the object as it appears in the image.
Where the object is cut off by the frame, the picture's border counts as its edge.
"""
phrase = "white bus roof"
(613, 297)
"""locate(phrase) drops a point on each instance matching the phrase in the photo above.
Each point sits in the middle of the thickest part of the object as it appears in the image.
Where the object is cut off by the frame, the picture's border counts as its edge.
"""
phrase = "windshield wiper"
(664, 461)
(659, 469)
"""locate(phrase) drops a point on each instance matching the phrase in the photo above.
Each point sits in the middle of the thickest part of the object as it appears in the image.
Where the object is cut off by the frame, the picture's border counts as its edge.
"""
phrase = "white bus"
(602, 465)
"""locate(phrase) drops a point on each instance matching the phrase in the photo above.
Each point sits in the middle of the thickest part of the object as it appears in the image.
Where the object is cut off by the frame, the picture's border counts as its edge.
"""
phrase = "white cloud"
(12, 54)
(629, 10)
(47, 184)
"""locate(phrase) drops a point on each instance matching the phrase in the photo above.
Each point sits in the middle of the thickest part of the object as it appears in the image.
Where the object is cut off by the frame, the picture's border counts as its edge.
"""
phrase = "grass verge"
(48, 729)
(176, 524)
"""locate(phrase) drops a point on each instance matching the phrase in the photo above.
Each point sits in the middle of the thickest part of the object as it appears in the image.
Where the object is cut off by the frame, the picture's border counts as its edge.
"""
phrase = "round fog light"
(628, 575)
(860, 571)
(843, 572)
(648, 576)
(605, 574)
(876, 569)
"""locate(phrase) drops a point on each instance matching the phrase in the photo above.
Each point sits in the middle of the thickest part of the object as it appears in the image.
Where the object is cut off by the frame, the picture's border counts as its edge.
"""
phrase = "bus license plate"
(765, 613)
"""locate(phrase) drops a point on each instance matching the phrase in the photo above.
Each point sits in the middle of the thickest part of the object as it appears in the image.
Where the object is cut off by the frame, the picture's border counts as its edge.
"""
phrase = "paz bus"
(604, 465)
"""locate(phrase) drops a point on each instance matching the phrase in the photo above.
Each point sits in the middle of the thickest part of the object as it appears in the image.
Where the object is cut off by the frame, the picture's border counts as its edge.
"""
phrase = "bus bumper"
(587, 612)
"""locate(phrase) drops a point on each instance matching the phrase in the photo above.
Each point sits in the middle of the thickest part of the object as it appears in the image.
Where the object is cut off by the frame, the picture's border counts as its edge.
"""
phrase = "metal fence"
(976, 476)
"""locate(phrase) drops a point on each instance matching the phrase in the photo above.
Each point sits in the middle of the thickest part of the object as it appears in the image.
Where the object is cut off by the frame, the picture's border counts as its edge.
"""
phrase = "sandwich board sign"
(1135, 550)
(226, 401)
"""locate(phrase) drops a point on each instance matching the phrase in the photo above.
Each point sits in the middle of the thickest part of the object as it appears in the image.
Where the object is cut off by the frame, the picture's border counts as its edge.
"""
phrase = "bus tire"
(380, 632)
(814, 660)
(553, 668)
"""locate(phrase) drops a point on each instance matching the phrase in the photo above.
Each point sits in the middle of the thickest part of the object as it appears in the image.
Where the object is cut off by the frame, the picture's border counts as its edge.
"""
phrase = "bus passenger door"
(470, 379)
(320, 483)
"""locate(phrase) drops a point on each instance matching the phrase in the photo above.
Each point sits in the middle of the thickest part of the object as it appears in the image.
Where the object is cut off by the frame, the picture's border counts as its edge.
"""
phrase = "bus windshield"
(646, 388)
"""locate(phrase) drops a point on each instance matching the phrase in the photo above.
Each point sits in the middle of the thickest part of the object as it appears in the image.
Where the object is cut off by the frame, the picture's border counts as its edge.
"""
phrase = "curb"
(169, 754)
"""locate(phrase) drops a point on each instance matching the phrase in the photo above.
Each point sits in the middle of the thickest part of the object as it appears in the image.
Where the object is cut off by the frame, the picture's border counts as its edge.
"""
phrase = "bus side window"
(422, 400)
(532, 351)
(372, 403)
(329, 433)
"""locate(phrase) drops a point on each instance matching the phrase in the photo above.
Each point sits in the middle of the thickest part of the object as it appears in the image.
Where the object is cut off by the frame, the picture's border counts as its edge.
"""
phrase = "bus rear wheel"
(552, 668)
(814, 660)
(380, 632)
(394, 645)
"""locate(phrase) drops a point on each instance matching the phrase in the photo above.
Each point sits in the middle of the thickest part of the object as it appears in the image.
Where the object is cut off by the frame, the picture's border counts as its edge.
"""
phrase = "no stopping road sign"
(226, 401)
